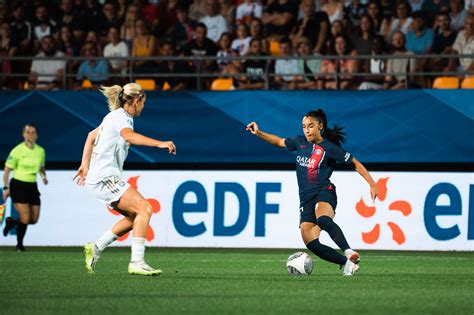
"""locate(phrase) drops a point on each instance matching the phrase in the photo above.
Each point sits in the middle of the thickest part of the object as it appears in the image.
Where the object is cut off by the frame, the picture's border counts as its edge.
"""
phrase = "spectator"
(420, 39)
(314, 26)
(457, 14)
(122, 6)
(443, 40)
(116, 48)
(398, 74)
(286, 67)
(464, 45)
(337, 28)
(97, 71)
(401, 22)
(416, 5)
(109, 19)
(256, 31)
(386, 9)
(127, 30)
(227, 10)
(363, 39)
(215, 23)
(165, 18)
(309, 66)
(47, 74)
(248, 10)
(172, 67)
(22, 30)
(242, 42)
(43, 26)
(354, 12)
(93, 15)
(67, 43)
(375, 67)
(279, 17)
(431, 8)
(92, 37)
(373, 11)
(8, 48)
(74, 19)
(202, 46)
(144, 45)
(197, 10)
(334, 9)
(344, 68)
(3, 12)
(224, 55)
(254, 70)
(183, 30)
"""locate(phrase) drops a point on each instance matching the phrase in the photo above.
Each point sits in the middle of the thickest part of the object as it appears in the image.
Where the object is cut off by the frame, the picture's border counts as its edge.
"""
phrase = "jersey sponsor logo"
(305, 161)
(403, 206)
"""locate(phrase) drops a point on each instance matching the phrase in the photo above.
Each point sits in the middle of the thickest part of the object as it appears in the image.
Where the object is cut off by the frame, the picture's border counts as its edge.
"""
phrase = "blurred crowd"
(313, 30)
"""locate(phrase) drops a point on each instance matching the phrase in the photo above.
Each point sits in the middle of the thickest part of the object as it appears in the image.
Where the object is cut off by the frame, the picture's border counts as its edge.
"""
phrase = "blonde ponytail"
(117, 96)
(113, 96)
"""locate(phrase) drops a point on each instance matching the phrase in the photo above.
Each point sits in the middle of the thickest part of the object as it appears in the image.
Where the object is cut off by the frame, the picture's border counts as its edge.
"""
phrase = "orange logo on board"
(155, 205)
(367, 211)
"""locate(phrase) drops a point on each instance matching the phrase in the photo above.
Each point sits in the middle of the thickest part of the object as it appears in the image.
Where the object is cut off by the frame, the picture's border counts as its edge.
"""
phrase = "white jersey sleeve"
(110, 149)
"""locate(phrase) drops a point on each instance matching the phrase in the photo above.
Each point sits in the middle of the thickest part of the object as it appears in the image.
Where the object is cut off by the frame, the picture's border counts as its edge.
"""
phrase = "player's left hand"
(374, 191)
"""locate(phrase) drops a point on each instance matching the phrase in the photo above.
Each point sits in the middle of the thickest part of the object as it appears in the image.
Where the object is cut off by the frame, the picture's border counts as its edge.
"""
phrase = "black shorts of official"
(23, 192)
(307, 210)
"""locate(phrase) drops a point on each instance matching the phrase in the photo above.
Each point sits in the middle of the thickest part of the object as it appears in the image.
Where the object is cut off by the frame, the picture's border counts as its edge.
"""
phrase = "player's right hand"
(253, 128)
(80, 177)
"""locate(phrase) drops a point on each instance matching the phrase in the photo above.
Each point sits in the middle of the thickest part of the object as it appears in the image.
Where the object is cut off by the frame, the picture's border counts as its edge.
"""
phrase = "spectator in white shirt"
(248, 10)
(242, 42)
(216, 24)
(116, 48)
(457, 14)
(286, 66)
(47, 74)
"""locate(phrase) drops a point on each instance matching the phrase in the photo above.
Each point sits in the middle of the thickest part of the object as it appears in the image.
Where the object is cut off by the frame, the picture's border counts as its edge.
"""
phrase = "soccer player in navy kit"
(317, 153)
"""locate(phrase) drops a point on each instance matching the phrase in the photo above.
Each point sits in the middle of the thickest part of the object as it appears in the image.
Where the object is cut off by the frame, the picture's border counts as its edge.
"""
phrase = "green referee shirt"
(26, 162)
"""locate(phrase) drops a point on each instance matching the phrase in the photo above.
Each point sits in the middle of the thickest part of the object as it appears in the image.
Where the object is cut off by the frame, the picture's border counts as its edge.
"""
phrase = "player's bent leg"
(132, 202)
(310, 233)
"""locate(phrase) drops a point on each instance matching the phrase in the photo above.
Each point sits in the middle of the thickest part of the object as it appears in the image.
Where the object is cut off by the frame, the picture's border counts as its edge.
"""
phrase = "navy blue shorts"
(308, 210)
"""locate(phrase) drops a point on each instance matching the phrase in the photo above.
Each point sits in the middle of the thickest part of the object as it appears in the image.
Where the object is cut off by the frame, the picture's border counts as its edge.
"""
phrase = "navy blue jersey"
(315, 164)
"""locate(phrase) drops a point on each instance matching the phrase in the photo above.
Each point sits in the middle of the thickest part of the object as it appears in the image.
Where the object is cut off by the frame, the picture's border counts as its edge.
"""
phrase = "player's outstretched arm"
(272, 139)
(137, 139)
(360, 168)
(81, 174)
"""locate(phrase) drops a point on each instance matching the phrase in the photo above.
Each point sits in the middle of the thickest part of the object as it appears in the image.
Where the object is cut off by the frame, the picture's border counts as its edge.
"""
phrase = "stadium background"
(225, 188)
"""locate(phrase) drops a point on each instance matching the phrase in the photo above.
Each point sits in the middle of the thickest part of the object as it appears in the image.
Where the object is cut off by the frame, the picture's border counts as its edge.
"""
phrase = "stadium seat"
(166, 86)
(468, 83)
(146, 84)
(86, 84)
(446, 83)
(274, 48)
(222, 84)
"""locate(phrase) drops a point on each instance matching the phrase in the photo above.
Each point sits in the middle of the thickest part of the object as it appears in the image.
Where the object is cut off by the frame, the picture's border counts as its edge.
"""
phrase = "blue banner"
(209, 127)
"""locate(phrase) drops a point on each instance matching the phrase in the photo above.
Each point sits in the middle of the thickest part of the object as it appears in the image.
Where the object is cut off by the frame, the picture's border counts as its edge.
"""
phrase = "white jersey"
(110, 149)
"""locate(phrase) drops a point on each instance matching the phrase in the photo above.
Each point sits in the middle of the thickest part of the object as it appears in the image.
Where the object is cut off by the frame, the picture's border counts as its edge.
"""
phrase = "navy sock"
(20, 233)
(334, 231)
(326, 252)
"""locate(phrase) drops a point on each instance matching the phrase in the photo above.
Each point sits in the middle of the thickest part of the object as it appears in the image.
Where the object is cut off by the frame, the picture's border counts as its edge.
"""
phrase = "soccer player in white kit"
(101, 169)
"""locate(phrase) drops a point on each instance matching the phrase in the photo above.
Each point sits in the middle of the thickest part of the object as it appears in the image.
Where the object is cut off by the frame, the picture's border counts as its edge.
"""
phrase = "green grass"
(228, 281)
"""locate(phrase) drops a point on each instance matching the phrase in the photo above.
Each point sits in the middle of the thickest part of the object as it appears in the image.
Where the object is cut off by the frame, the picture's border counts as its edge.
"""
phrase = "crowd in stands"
(235, 32)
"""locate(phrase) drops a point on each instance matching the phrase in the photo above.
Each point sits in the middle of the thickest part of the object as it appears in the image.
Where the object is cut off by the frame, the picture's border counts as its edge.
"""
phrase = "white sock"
(348, 252)
(138, 249)
(105, 240)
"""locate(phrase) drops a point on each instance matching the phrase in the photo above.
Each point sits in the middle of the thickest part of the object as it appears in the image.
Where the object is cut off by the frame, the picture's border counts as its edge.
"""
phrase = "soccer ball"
(299, 264)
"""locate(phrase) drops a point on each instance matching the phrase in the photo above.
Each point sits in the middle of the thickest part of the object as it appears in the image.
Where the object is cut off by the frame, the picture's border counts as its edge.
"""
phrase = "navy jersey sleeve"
(337, 153)
(292, 143)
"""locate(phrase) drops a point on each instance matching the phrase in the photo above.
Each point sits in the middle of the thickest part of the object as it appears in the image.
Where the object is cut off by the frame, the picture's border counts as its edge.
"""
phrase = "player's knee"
(25, 220)
(148, 209)
(324, 222)
(33, 221)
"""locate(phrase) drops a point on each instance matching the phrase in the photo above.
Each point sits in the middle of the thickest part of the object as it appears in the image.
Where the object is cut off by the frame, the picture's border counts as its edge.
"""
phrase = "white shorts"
(109, 190)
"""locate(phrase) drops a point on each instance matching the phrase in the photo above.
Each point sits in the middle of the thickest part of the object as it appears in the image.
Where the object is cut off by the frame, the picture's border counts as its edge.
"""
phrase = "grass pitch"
(233, 281)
